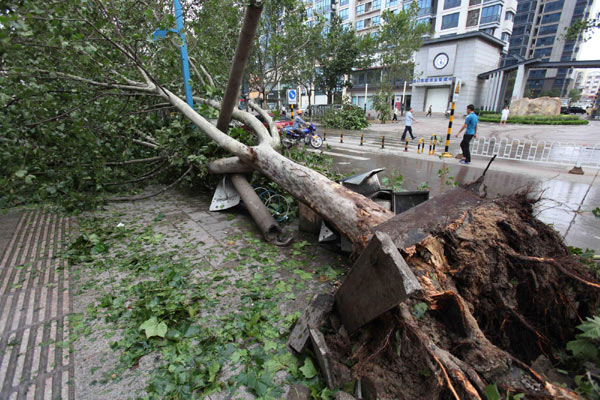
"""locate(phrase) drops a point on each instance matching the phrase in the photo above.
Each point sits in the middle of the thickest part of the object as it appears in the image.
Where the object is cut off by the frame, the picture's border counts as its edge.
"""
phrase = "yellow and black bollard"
(342, 137)
(406, 145)
(432, 143)
(383, 142)
(324, 136)
(421, 146)
(292, 106)
(362, 137)
(446, 152)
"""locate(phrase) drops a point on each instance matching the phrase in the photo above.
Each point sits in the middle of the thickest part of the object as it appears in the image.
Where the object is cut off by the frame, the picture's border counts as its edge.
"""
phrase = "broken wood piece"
(314, 314)
(379, 280)
(308, 220)
(322, 354)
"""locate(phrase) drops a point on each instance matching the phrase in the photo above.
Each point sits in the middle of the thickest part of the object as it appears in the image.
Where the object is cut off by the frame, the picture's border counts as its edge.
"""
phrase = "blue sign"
(291, 94)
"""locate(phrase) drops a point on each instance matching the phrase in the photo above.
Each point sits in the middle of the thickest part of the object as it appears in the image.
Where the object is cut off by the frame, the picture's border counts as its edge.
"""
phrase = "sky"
(590, 50)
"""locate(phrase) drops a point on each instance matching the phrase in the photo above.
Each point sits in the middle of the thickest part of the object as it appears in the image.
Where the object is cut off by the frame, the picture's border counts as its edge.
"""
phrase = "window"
(451, 4)
(391, 3)
(545, 41)
(555, 5)
(346, 27)
(360, 24)
(473, 17)
(523, 6)
(505, 37)
(474, 2)
(551, 18)
(519, 30)
(545, 52)
(537, 73)
(548, 29)
(521, 19)
(509, 16)
(360, 9)
(490, 14)
(344, 2)
(450, 21)
(489, 31)
(344, 14)
(424, 7)
(376, 5)
(375, 20)
(516, 41)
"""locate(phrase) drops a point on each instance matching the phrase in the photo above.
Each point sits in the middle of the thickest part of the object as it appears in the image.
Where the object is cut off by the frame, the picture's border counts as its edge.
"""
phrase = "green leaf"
(213, 369)
(308, 369)
(590, 328)
(21, 173)
(583, 348)
(154, 328)
(492, 393)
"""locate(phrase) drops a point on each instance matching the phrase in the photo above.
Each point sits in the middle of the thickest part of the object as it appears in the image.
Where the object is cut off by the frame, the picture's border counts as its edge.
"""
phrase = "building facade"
(448, 18)
(538, 32)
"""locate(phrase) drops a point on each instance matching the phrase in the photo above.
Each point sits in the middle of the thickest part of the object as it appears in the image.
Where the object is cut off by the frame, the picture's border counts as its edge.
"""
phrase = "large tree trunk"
(349, 212)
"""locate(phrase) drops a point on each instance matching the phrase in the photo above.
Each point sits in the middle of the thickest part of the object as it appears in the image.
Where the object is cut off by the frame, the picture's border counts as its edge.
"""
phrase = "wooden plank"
(379, 280)
(319, 306)
(322, 354)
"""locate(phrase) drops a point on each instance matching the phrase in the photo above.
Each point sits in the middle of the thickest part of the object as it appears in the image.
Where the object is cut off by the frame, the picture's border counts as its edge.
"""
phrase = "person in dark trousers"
(471, 132)
(408, 124)
(395, 118)
(428, 112)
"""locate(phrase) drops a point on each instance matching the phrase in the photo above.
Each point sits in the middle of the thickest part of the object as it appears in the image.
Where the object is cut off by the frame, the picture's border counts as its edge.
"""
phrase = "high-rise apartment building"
(447, 18)
(538, 32)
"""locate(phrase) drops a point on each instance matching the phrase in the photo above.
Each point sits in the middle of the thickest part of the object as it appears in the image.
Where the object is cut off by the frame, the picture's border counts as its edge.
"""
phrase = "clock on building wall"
(440, 61)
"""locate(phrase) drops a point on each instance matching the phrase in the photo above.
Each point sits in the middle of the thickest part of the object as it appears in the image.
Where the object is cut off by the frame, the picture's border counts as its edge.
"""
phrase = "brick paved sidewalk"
(35, 299)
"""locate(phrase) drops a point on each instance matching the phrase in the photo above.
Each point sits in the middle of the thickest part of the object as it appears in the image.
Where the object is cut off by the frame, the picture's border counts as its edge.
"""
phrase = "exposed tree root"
(497, 298)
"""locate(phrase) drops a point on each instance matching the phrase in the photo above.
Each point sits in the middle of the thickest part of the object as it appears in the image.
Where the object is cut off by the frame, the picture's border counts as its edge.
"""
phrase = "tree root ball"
(500, 289)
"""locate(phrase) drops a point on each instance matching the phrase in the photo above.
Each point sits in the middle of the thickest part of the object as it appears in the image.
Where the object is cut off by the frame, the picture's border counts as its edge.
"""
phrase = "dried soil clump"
(499, 289)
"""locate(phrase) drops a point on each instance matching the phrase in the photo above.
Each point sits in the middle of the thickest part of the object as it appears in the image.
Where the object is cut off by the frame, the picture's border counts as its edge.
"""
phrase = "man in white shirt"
(408, 124)
(504, 116)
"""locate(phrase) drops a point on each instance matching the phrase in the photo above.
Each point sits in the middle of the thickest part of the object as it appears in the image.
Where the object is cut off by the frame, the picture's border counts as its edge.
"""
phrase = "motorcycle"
(308, 135)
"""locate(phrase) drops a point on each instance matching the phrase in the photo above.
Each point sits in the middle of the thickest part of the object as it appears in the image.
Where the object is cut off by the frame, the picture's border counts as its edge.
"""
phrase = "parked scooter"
(308, 135)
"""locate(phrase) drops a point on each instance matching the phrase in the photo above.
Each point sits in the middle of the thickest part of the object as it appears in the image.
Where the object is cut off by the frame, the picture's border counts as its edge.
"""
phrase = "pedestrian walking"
(504, 116)
(395, 117)
(408, 124)
(428, 112)
(471, 132)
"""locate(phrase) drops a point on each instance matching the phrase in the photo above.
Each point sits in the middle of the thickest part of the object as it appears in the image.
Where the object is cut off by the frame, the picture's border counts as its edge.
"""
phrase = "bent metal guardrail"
(541, 152)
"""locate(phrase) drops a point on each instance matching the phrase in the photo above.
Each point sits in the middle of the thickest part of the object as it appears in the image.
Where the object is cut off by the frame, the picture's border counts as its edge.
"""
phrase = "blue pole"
(184, 55)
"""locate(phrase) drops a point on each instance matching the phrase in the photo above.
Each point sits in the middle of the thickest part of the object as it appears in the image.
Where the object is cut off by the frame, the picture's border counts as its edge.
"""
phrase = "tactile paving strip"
(35, 300)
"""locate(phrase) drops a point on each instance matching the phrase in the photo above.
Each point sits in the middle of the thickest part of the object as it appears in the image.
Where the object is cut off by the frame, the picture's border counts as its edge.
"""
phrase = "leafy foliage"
(346, 117)
(584, 361)
(161, 306)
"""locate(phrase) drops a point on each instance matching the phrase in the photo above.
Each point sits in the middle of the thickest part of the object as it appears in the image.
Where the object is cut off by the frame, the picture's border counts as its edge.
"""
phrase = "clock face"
(440, 61)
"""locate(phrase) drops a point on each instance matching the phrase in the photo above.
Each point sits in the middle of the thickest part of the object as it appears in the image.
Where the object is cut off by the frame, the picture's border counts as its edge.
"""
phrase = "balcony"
(424, 11)
(490, 19)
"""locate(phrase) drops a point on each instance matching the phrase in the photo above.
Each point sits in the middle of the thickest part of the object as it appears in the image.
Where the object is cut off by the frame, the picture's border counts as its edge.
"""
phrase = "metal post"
(184, 55)
(362, 136)
(292, 106)
(403, 99)
(406, 145)
(456, 91)
(383, 142)
(421, 146)
(324, 136)
(341, 137)
(366, 88)
(432, 142)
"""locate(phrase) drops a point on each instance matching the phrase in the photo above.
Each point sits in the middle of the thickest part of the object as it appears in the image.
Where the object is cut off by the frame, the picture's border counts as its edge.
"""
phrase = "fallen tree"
(477, 270)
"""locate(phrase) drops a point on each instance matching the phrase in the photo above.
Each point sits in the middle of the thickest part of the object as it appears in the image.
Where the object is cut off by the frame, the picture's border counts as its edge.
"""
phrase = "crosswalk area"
(373, 141)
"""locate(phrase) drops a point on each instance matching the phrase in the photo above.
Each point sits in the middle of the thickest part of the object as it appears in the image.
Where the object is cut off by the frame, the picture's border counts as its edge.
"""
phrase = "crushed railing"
(549, 152)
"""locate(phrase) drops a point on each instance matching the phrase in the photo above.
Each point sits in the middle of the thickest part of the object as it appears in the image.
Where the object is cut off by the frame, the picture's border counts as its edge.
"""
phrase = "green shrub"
(346, 117)
(536, 119)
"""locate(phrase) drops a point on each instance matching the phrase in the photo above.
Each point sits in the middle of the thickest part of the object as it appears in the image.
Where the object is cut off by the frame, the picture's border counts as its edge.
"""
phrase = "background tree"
(280, 38)
(575, 95)
(343, 50)
(400, 36)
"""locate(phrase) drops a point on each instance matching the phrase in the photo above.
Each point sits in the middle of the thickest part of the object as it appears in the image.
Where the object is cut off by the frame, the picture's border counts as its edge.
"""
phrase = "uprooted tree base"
(499, 290)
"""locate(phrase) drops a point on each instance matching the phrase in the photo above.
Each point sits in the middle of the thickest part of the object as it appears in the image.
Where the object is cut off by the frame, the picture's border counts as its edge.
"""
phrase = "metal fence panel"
(541, 152)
